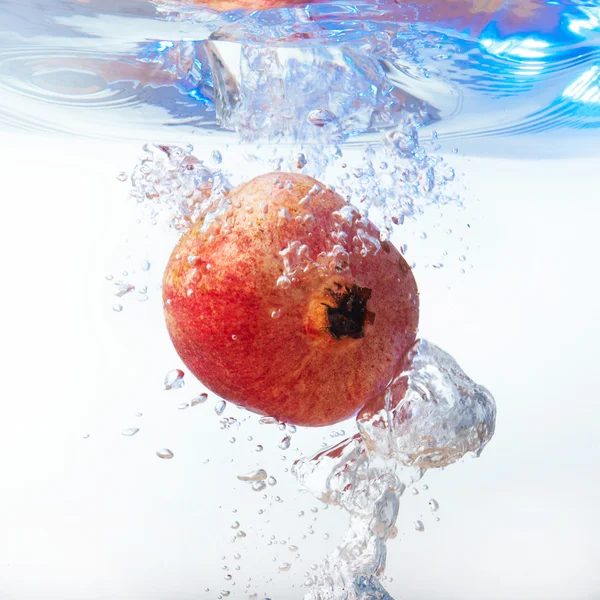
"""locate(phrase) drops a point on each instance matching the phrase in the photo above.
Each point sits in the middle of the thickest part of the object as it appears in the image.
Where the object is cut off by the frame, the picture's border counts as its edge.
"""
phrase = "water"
(138, 70)
(380, 101)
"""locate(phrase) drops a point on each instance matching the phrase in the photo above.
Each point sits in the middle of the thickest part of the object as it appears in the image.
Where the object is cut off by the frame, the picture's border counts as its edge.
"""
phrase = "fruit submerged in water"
(287, 303)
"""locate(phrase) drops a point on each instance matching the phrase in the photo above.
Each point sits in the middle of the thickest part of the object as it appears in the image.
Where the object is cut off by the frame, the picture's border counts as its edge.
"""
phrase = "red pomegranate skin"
(310, 354)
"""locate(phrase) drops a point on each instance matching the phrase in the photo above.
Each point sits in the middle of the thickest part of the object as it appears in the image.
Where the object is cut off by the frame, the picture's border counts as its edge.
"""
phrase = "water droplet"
(237, 556)
(259, 448)
(433, 504)
(283, 282)
(165, 453)
(300, 161)
(425, 487)
(174, 379)
(228, 576)
(117, 307)
(220, 407)
(320, 117)
(285, 442)
(423, 235)
(325, 536)
(145, 265)
(129, 432)
(259, 486)
(285, 566)
(314, 509)
(462, 258)
(235, 525)
(122, 176)
(200, 399)
(419, 526)
(241, 534)
(232, 440)
(272, 481)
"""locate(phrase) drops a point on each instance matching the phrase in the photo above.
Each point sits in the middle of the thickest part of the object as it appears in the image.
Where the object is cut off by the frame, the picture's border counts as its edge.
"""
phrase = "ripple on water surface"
(125, 72)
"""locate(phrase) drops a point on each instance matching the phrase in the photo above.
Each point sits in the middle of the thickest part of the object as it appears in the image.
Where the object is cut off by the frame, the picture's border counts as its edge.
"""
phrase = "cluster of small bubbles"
(220, 407)
(165, 453)
(339, 433)
(129, 432)
(170, 180)
(174, 380)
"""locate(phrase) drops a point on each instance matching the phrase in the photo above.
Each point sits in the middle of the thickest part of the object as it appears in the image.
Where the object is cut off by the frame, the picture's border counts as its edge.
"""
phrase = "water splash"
(431, 416)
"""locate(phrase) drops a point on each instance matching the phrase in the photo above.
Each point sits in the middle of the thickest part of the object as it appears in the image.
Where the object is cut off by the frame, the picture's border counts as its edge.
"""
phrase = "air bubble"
(259, 486)
(220, 407)
(320, 117)
(122, 176)
(433, 505)
(174, 379)
(200, 399)
(117, 307)
(129, 432)
(259, 475)
(165, 453)
(285, 442)
(419, 526)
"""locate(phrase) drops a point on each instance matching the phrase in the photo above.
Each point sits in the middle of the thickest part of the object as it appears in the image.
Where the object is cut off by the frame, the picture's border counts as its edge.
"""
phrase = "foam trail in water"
(430, 416)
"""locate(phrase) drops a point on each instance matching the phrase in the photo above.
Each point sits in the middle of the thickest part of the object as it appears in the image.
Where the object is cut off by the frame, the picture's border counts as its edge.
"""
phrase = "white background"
(104, 518)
